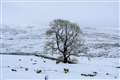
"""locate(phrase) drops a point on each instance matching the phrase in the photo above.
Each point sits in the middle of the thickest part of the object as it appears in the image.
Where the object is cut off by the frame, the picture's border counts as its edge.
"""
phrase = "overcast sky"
(86, 14)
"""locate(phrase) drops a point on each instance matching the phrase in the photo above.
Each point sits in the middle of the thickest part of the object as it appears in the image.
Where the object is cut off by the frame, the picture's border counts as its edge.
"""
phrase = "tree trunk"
(65, 60)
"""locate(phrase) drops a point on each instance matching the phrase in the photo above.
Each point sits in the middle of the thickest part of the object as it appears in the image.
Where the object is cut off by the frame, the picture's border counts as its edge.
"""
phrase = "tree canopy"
(65, 38)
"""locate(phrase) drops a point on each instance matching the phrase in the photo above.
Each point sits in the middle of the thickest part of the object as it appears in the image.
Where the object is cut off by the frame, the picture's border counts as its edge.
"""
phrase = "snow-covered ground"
(104, 45)
(31, 39)
(36, 68)
(23, 27)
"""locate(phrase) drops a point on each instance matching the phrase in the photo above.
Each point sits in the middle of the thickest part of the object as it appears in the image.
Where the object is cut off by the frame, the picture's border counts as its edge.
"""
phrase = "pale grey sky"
(60, 0)
(88, 14)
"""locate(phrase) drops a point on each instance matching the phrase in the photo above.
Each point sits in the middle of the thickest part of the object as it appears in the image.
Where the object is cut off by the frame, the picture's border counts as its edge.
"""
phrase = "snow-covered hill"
(100, 42)
(31, 39)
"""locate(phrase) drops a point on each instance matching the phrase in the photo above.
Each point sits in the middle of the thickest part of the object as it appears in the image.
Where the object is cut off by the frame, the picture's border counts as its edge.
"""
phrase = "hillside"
(100, 42)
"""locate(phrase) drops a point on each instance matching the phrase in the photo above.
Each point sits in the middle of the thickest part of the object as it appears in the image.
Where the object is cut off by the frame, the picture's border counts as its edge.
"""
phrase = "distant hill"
(100, 42)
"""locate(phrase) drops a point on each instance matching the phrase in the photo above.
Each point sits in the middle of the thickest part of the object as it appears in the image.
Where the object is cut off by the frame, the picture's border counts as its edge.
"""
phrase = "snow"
(24, 31)
(56, 71)
(31, 39)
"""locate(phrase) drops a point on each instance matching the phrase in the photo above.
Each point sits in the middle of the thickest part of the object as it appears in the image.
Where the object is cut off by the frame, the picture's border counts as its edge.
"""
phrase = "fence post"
(46, 77)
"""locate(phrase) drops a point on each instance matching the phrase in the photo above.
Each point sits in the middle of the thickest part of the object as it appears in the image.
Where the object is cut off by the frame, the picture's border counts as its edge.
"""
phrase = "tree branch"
(72, 40)
(57, 41)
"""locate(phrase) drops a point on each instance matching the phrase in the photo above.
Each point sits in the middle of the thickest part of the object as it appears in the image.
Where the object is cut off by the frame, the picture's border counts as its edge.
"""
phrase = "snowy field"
(101, 42)
(22, 31)
(104, 49)
(36, 68)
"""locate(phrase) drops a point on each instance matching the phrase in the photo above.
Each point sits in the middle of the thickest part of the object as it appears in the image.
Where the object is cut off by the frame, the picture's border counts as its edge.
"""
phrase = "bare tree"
(64, 38)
